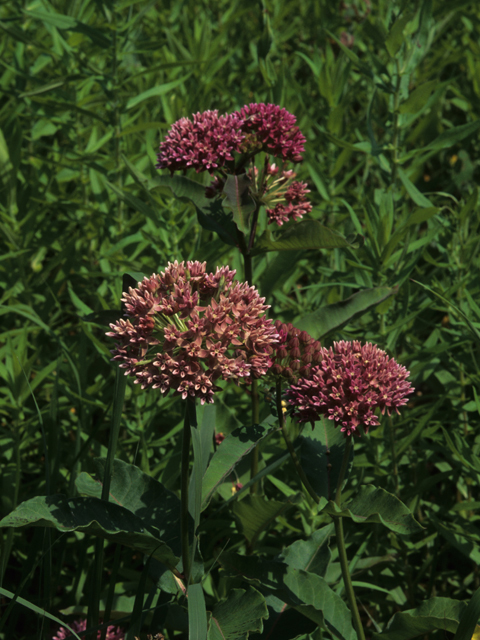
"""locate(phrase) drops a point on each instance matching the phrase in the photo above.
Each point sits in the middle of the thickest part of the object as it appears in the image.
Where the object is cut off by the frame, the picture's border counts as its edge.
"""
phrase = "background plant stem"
(290, 447)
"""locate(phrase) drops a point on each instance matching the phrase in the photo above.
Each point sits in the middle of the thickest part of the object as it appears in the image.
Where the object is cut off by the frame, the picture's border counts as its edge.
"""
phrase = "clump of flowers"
(295, 353)
(209, 141)
(113, 633)
(185, 329)
(270, 128)
(348, 385)
(204, 143)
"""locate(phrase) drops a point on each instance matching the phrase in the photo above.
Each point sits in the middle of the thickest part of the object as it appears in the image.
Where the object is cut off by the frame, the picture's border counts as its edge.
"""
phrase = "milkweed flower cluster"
(348, 385)
(270, 128)
(113, 633)
(204, 143)
(208, 142)
(185, 329)
(295, 353)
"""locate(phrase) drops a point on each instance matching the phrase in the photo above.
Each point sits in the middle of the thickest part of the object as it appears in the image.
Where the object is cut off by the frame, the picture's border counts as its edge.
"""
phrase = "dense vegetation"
(387, 95)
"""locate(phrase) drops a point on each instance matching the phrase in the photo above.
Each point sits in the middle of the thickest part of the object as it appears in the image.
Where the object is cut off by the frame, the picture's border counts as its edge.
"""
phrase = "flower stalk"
(185, 478)
(342, 553)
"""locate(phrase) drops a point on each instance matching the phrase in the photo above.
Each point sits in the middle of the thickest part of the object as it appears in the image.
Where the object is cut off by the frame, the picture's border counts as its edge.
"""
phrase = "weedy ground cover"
(386, 95)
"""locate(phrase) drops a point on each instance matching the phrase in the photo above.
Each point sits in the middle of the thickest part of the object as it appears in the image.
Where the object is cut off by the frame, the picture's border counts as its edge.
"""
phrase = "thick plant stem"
(342, 553)
(254, 389)
(290, 447)
(184, 492)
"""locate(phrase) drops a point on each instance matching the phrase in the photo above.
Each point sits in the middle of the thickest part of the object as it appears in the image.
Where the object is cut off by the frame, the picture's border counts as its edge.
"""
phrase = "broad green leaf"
(322, 455)
(241, 613)
(235, 446)
(141, 494)
(307, 592)
(312, 590)
(396, 36)
(211, 215)
(256, 513)
(239, 200)
(197, 613)
(303, 235)
(373, 504)
(436, 613)
(312, 555)
(319, 323)
(411, 189)
(416, 100)
(93, 516)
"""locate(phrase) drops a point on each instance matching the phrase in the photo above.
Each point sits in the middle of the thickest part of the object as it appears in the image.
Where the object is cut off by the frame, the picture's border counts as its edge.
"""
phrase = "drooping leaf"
(436, 613)
(256, 513)
(303, 235)
(372, 504)
(94, 516)
(141, 494)
(321, 456)
(235, 446)
(239, 200)
(211, 215)
(333, 316)
(241, 613)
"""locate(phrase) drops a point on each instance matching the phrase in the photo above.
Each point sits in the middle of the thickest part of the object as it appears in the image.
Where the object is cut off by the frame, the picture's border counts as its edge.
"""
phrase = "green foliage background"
(388, 96)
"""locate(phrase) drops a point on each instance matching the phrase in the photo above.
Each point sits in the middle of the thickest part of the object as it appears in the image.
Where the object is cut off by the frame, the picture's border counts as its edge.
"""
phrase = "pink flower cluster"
(186, 328)
(113, 633)
(294, 354)
(272, 129)
(203, 144)
(348, 385)
(208, 141)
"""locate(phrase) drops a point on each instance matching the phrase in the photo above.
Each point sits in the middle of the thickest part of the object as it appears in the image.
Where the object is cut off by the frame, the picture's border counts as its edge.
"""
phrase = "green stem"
(290, 447)
(184, 491)
(248, 266)
(342, 553)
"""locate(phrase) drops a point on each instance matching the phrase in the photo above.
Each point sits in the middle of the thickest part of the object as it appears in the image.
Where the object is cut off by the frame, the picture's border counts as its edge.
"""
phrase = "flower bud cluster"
(288, 195)
(186, 328)
(295, 353)
(348, 385)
